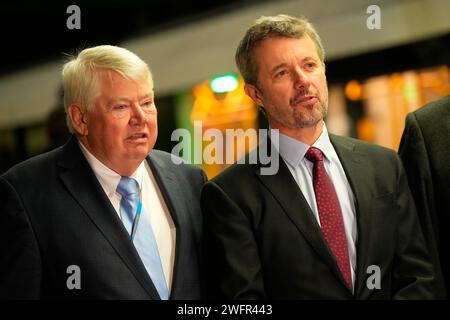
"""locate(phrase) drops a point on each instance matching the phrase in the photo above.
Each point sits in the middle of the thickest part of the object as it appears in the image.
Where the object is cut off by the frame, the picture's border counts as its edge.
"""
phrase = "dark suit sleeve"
(20, 263)
(414, 155)
(233, 263)
(413, 271)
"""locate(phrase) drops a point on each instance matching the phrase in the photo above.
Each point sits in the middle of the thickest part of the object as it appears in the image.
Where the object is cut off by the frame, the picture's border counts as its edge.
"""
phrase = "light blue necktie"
(143, 239)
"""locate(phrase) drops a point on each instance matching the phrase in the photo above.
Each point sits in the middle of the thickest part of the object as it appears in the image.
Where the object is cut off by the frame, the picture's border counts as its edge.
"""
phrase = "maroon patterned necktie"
(330, 214)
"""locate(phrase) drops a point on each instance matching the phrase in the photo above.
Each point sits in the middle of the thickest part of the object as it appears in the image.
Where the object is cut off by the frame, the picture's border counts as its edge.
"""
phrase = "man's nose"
(137, 114)
(301, 79)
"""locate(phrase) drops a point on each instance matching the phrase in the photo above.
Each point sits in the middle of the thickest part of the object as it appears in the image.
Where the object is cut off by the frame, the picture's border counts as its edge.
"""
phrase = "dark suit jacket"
(425, 151)
(263, 241)
(54, 213)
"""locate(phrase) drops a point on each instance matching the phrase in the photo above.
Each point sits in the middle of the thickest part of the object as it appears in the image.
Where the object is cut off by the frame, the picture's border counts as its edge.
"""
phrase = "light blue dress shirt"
(293, 152)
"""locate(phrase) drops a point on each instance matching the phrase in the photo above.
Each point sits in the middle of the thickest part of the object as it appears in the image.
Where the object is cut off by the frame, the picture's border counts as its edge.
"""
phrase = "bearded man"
(337, 220)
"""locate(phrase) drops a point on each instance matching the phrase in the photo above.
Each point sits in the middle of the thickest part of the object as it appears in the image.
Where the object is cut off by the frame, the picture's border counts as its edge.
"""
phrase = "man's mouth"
(137, 136)
(303, 100)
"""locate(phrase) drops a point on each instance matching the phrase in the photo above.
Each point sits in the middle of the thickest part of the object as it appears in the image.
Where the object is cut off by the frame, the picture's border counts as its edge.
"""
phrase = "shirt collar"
(108, 178)
(293, 150)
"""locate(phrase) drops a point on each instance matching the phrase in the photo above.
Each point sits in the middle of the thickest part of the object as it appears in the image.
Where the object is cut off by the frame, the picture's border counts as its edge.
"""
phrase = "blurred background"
(375, 76)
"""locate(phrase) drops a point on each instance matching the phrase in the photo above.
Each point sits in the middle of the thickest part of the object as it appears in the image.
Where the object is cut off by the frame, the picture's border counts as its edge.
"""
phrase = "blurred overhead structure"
(183, 56)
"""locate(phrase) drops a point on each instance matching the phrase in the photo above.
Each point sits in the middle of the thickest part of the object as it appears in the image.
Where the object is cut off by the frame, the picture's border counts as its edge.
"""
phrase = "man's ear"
(253, 92)
(78, 119)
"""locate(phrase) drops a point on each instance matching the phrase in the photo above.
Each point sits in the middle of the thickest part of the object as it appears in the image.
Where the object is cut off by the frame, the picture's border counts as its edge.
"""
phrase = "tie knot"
(128, 187)
(314, 155)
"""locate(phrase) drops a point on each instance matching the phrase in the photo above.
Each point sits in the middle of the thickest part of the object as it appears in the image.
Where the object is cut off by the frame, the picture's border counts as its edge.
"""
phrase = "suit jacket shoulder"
(34, 168)
(433, 112)
(175, 164)
(370, 149)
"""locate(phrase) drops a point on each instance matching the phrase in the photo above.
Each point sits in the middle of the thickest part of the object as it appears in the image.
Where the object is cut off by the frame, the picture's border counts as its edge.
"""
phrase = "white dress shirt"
(152, 201)
(293, 153)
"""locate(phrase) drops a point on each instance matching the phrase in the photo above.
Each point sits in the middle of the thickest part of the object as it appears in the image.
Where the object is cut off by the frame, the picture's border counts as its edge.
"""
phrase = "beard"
(312, 113)
(309, 117)
(301, 117)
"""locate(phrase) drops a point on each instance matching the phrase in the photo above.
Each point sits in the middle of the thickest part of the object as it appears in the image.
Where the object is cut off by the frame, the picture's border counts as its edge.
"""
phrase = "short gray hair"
(268, 27)
(80, 74)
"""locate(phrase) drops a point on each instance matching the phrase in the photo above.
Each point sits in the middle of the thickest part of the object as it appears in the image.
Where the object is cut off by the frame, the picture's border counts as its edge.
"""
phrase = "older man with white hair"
(105, 216)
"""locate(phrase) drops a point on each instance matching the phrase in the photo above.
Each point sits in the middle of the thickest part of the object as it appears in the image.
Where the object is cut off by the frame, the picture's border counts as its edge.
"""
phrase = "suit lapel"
(286, 191)
(359, 175)
(174, 199)
(81, 182)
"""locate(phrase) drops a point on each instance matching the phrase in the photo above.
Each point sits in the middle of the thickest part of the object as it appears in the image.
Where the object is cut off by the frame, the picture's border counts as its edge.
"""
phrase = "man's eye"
(310, 65)
(281, 73)
(147, 104)
(120, 107)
